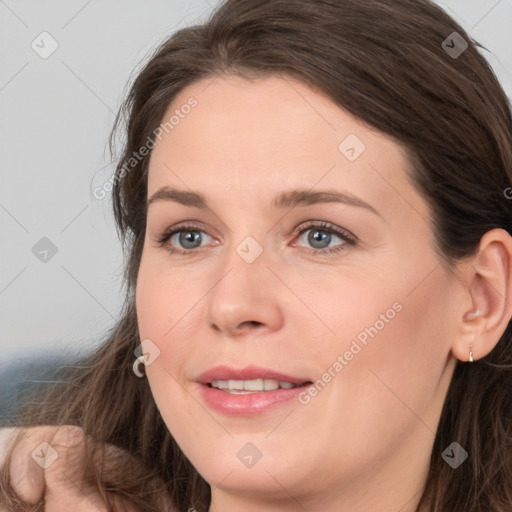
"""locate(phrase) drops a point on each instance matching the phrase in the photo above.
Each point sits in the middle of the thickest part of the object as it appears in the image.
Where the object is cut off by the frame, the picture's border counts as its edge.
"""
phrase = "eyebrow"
(288, 199)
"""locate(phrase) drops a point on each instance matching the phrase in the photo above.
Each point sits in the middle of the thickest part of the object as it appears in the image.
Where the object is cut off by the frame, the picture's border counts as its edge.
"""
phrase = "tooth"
(253, 385)
(221, 384)
(236, 384)
(270, 385)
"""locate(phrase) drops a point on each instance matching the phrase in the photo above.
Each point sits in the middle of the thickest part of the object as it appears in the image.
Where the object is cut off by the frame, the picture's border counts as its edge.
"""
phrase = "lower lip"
(249, 404)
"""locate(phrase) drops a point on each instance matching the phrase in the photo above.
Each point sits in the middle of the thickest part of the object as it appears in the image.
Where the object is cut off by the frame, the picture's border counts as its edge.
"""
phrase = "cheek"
(165, 314)
(393, 354)
(386, 341)
(168, 305)
(169, 311)
(380, 375)
(347, 315)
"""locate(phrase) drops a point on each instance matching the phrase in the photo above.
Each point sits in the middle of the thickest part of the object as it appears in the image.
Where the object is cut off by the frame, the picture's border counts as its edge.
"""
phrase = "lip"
(250, 404)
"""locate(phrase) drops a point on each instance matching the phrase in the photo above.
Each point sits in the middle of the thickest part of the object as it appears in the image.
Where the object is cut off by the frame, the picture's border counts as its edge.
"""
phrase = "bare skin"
(363, 443)
(60, 481)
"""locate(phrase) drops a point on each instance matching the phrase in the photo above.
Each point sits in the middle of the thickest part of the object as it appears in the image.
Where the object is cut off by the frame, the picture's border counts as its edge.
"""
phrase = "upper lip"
(247, 373)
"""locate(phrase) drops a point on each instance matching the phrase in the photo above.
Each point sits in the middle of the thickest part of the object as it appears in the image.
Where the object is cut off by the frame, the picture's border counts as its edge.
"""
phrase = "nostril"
(251, 323)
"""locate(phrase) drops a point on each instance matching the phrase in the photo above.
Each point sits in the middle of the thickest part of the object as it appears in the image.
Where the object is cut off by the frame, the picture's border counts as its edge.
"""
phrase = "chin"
(263, 480)
(238, 466)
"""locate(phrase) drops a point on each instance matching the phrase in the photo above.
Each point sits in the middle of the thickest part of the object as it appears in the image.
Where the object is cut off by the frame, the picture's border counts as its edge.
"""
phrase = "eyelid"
(327, 226)
(183, 226)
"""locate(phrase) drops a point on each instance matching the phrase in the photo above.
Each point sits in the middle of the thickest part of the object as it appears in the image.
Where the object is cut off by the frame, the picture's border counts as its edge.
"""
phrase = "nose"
(245, 300)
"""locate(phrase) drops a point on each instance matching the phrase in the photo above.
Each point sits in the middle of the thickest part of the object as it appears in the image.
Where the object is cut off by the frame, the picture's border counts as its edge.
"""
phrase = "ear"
(489, 286)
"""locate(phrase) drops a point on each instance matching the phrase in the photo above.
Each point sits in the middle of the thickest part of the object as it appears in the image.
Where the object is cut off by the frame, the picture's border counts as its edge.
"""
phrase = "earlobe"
(490, 288)
(466, 347)
(471, 316)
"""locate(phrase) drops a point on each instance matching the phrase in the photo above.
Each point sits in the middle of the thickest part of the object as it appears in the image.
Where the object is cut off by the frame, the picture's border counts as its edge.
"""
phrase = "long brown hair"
(385, 62)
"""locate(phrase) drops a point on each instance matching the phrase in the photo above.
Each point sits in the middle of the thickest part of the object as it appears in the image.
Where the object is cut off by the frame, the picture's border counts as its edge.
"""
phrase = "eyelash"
(349, 239)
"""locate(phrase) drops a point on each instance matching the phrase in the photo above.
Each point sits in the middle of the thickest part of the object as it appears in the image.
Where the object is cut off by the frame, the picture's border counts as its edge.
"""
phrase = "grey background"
(55, 116)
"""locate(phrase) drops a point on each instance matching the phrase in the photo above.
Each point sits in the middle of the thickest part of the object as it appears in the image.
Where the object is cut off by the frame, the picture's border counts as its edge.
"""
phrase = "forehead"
(273, 133)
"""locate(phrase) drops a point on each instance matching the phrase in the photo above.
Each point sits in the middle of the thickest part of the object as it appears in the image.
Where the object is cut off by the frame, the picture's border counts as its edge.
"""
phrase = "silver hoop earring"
(136, 366)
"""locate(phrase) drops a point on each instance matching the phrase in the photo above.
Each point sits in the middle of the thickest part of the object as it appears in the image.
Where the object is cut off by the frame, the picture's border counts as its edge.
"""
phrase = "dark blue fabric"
(20, 377)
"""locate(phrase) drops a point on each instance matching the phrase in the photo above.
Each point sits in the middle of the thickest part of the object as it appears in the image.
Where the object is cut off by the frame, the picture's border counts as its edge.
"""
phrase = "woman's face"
(281, 274)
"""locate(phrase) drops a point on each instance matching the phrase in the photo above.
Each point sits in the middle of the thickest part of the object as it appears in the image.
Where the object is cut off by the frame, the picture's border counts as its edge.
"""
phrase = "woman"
(315, 201)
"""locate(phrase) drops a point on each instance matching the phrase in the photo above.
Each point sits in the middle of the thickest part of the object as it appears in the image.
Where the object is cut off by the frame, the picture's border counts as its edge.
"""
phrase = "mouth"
(248, 391)
(251, 379)
(246, 387)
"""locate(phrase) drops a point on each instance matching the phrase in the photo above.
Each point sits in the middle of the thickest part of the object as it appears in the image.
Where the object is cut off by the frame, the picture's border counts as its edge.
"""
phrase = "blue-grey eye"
(319, 238)
(189, 239)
